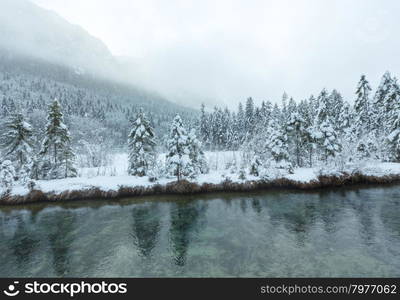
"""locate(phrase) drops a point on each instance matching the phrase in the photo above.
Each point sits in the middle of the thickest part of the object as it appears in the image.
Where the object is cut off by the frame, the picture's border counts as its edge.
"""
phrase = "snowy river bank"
(117, 184)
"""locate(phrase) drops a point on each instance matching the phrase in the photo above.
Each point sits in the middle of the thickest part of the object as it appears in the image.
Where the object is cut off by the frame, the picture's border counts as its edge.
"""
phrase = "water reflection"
(184, 222)
(23, 243)
(353, 232)
(145, 227)
(61, 227)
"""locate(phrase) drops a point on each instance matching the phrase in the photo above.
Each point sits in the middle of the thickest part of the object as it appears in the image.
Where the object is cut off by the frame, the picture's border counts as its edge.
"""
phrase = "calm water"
(352, 232)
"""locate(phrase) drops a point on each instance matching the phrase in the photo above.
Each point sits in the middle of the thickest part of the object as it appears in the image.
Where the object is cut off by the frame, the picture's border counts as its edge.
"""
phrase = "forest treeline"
(325, 129)
(321, 129)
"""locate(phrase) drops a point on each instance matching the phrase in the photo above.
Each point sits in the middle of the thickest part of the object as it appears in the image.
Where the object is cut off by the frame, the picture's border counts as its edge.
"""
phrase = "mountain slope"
(27, 29)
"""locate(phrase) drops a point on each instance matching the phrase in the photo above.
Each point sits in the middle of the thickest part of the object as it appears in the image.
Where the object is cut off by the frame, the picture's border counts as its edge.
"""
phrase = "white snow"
(115, 175)
(303, 174)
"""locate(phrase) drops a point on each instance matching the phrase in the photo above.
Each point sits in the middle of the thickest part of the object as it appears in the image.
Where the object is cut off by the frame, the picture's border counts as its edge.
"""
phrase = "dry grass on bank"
(186, 187)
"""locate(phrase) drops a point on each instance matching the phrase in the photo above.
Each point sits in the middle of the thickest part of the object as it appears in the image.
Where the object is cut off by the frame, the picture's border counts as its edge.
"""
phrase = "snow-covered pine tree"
(241, 123)
(204, 126)
(17, 144)
(277, 146)
(328, 140)
(297, 132)
(379, 125)
(283, 111)
(196, 155)
(266, 112)
(337, 104)
(235, 139)
(255, 166)
(393, 121)
(7, 174)
(325, 133)
(306, 111)
(250, 118)
(291, 108)
(367, 147)
(141, 145)
(56, 158)
(362, 107)
(178, 162)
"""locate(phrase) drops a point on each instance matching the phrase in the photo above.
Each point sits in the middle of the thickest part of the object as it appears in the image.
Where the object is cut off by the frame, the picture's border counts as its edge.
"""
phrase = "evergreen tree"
(307, 137)
(367, 147)
(7, 174)
(322, 108)
(17, 144)
(324, 131)
(380, 105)
(297, 134)
(204, 126)
(56, 156)
(141, 147)
(241, 124)
(393, 121)
(337, 104)
(328, 140)
(266, 112)
(362, 107)
(178, 162)
(255, 166)
(196, 155)
(277, 145)
(250, 118)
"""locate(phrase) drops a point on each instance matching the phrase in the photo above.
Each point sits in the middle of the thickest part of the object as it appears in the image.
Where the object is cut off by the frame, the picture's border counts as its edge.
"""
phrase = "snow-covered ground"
(113, 176)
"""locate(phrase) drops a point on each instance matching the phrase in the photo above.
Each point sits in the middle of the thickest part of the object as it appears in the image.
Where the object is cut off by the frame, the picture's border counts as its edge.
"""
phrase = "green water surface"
(342, 232)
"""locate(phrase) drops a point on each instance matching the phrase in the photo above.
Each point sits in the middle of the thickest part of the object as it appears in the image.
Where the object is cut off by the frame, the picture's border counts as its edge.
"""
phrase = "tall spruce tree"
(141, 145)
(56, 158)
(379, 126)
(297, 133)
(337, 104)
(362, 107)
(393, 121)
(250, 118)
(178, 162)
(7, 174)
(196, 155)
(325, 133)
(204, 127)
(277, 146)
(17, 145)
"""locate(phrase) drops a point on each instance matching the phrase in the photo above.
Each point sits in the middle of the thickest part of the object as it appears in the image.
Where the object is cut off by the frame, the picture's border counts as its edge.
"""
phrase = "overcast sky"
(224, 51)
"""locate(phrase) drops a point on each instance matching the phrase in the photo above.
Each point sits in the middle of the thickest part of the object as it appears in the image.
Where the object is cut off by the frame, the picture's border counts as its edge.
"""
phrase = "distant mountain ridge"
(39, 41)
(28, 29)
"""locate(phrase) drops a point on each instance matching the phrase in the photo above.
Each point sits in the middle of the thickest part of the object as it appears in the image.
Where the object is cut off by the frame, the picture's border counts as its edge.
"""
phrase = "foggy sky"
(221, 52)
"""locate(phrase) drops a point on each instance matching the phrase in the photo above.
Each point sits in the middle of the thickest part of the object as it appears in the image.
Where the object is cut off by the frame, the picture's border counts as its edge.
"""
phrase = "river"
(340, 232)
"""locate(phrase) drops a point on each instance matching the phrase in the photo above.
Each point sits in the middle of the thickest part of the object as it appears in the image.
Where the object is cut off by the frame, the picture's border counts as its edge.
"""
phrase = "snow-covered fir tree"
(7, 174)
(393, 121)
(328, 140)
(297, 134)
(362, 107)
(196, 155)
(178, 162)
(17, 145)
(141, 146)
(379, 125)
(56, 158)
(337, 104)
(204, 126)
(325, 134)
(255, 166)
(277, 146)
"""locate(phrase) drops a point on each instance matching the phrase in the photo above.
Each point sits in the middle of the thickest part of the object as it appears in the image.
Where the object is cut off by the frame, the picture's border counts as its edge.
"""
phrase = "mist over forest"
(68, 105)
